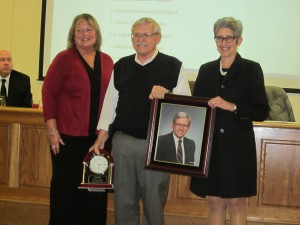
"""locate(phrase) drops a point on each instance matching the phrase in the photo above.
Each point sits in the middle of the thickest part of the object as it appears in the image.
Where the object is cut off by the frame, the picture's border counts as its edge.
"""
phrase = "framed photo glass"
(180, 135)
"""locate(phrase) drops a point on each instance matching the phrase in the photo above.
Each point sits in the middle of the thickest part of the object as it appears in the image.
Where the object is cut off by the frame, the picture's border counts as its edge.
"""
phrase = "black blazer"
(233, 155)
(166, 149)
(19, 90)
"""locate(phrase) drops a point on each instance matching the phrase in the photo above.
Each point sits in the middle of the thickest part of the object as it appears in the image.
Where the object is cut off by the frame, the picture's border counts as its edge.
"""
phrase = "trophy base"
(97, 187)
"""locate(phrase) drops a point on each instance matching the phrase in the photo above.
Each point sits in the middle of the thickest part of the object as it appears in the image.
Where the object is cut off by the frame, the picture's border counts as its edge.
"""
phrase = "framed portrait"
(180, 135)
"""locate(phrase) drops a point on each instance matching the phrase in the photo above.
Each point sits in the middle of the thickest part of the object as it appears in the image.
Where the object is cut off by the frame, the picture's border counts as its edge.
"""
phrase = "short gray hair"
(182, 115)
(229, 22)
(147, 20)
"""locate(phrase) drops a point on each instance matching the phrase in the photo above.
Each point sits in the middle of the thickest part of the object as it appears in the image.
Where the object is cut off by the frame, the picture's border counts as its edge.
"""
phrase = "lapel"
(12, 85)
(233, 69)
(215, 79)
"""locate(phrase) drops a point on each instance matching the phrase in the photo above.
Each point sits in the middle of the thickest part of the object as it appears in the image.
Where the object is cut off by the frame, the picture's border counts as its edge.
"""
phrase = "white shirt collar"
(148, 60)
(7, 81)
(176, 139)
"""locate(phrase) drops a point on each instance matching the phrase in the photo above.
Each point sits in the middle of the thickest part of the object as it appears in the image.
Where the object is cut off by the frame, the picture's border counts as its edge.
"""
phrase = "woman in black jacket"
(236, 89)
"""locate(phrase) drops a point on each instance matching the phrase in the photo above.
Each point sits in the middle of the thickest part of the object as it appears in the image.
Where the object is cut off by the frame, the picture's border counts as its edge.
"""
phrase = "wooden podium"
(25, 174)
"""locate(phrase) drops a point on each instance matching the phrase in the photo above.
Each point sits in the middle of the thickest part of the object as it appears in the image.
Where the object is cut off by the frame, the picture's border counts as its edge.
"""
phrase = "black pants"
(68, 204)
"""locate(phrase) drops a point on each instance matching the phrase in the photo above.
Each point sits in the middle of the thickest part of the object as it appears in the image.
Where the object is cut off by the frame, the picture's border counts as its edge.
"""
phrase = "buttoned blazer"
(166, 149)
(19, 90)
(233, 148)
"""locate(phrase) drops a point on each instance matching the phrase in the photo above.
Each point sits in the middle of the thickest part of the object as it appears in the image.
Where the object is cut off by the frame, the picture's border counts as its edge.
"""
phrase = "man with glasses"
(15, 86)
(137, 79)
(174, 147)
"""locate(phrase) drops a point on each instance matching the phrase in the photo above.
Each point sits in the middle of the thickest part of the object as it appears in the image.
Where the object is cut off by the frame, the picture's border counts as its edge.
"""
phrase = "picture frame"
(163, 124)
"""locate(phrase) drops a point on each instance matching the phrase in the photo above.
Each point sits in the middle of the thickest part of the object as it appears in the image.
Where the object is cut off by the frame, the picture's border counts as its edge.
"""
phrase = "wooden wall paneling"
(14, 155)
(35, 159)
(25, 173)
(184, 189)
(281, 175)
(4, 153)
(278, 150)
(173, 187)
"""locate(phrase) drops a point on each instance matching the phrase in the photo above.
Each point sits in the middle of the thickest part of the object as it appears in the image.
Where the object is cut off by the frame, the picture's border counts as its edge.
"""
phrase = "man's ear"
(158, 38)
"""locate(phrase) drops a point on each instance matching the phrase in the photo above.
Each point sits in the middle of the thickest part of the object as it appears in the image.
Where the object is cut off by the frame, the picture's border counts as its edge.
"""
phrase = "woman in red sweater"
(73, 93)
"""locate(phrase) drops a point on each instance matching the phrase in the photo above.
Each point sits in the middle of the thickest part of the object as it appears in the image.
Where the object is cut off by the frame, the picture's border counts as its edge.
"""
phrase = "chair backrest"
(280, 105)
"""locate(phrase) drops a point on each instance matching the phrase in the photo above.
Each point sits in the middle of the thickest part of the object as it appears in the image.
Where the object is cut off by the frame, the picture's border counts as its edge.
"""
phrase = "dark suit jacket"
(166, 149)
(19, 90)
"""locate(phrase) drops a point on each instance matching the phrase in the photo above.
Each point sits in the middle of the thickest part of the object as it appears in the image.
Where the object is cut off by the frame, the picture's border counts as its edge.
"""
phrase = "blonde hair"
(92, 22)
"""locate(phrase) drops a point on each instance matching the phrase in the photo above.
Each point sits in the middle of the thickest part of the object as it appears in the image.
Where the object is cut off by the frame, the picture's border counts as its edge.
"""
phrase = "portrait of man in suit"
(15, 86)
(175, 147)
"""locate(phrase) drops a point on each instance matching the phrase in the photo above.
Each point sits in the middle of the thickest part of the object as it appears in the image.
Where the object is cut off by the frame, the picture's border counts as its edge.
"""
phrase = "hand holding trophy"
(98, 172)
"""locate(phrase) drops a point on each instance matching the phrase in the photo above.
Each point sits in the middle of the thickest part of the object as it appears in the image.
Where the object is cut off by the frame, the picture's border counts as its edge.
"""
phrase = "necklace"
(221, 71)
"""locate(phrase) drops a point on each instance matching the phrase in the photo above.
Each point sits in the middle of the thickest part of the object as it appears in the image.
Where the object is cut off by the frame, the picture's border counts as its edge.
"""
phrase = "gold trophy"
(98, 172)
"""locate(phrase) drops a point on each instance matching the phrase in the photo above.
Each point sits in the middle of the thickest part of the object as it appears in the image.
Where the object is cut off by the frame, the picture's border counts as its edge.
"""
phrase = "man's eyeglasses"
(181, 125)
(137, 36)
(220, 39)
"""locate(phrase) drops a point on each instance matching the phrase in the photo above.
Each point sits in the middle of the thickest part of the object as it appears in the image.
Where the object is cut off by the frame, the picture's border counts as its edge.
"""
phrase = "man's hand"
(99, 143)
(158, 92)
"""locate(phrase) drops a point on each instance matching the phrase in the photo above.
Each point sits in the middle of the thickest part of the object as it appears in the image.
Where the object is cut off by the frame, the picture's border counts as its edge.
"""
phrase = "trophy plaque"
(98, 172)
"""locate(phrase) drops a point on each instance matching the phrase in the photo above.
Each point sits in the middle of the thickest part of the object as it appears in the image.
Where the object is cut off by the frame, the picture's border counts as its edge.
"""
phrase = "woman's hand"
(55, 141)
(221, 103)
(54, 136)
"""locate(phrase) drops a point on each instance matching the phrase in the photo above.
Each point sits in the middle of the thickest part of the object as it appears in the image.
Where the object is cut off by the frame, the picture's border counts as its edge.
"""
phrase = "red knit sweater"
(66, 92)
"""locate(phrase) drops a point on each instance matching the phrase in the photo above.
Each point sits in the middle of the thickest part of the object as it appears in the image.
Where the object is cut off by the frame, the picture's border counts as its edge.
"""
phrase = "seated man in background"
(14, 86)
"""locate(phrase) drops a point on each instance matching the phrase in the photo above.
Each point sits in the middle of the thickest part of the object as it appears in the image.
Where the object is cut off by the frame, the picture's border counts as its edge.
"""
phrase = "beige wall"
(20, 22)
